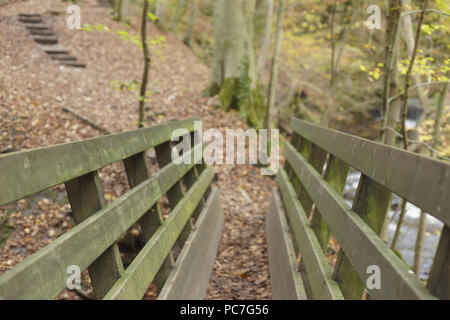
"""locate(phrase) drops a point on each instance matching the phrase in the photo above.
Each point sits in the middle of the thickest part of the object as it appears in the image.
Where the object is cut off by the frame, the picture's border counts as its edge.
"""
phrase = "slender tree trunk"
(146, 51)
(266, 39)
(179, 13)
(324, 119)
(159, 13)
(408, 36)
(391, 111)
(390, 85)
(274, 69)
(399, 225)
(347, 29)
(409, 71)
(190, 29)
(418, 250)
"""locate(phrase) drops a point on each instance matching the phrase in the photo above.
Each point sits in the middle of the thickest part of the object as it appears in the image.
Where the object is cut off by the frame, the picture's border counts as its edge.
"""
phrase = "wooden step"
(30, 20)
(73, 64)
(41, 32)
(29, 15)
(37, 27)
(49, 49)
(45, 40)
(63, 57)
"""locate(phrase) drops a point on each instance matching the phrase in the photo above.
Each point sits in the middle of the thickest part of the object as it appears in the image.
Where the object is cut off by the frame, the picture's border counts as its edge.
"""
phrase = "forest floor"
(34, 90)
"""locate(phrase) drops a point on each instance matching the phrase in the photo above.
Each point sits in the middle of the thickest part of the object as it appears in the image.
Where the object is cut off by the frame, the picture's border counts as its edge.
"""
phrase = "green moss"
(229, 93)
(252, 108)
(213, 89)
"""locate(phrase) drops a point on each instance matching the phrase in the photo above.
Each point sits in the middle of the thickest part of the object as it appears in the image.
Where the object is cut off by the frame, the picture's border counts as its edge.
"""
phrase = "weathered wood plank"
(190, 278)
(144, 267)
(336, 177)
(138, 171)
(46, 269)
(361, 244)
(86, 197)
(318, 272)
(286, 281)
(371, 203)
(428, 188)
(27, 172)
(439, 280)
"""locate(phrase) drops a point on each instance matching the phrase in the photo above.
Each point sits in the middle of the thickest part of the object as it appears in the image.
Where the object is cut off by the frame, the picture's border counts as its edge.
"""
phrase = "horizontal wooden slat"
(43, 274)
(190, 277)
(27, 172)
(320, 276)
(361, 245)
(420, 180)
(139, 274)
(286, 281)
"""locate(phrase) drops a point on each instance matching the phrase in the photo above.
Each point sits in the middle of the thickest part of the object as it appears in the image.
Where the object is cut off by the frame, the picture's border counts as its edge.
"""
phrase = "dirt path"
(33, 91)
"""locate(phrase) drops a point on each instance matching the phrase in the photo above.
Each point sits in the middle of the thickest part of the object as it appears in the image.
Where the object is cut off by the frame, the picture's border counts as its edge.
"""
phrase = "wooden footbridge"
(306, 210)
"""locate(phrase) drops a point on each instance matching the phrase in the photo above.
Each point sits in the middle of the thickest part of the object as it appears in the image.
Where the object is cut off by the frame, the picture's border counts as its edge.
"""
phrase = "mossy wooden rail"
(194, 223)
(308, 208)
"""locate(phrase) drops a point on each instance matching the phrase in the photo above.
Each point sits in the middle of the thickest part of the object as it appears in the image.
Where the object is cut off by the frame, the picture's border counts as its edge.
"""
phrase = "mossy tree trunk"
(234, 77)
(274, 70)
(190, 29)
(266, 38)
(180, 10)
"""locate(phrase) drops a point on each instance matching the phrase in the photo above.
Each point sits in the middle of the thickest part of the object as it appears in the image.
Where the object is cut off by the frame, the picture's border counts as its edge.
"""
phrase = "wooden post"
(137, 171)
(86, 197)
(317, 157)
(371, 202)
(439, 280)
(174, 195)
(164, 157)
(336, 176)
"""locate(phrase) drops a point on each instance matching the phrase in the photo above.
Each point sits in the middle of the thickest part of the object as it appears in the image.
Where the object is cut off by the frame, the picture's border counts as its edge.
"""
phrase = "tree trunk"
(121, 9)
(274, 69)
(410, 43)
(234, 76)
(391, 111)
(266, 39)
(190, 29)
(179, 13)
(423, 216)
(390, 86)
(418, 253)
(324, 119)
(159, 13)
(408, 73)
(145, 49)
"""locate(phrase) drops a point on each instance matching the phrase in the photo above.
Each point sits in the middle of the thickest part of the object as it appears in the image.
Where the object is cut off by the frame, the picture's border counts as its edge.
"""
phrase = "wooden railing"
(194, 222)
(308, 208)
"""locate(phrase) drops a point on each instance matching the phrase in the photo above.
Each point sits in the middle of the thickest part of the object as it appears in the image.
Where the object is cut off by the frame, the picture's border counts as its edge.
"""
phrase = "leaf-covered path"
(34, 90)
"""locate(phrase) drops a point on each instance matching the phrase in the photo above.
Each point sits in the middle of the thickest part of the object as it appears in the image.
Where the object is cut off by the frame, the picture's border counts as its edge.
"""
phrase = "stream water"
(408, 232)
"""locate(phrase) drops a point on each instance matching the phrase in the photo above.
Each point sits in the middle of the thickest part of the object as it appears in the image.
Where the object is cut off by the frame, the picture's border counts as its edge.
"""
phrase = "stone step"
(63, 57)
(73, 64)
(37, 27)
(49, 49)
(45, 40)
